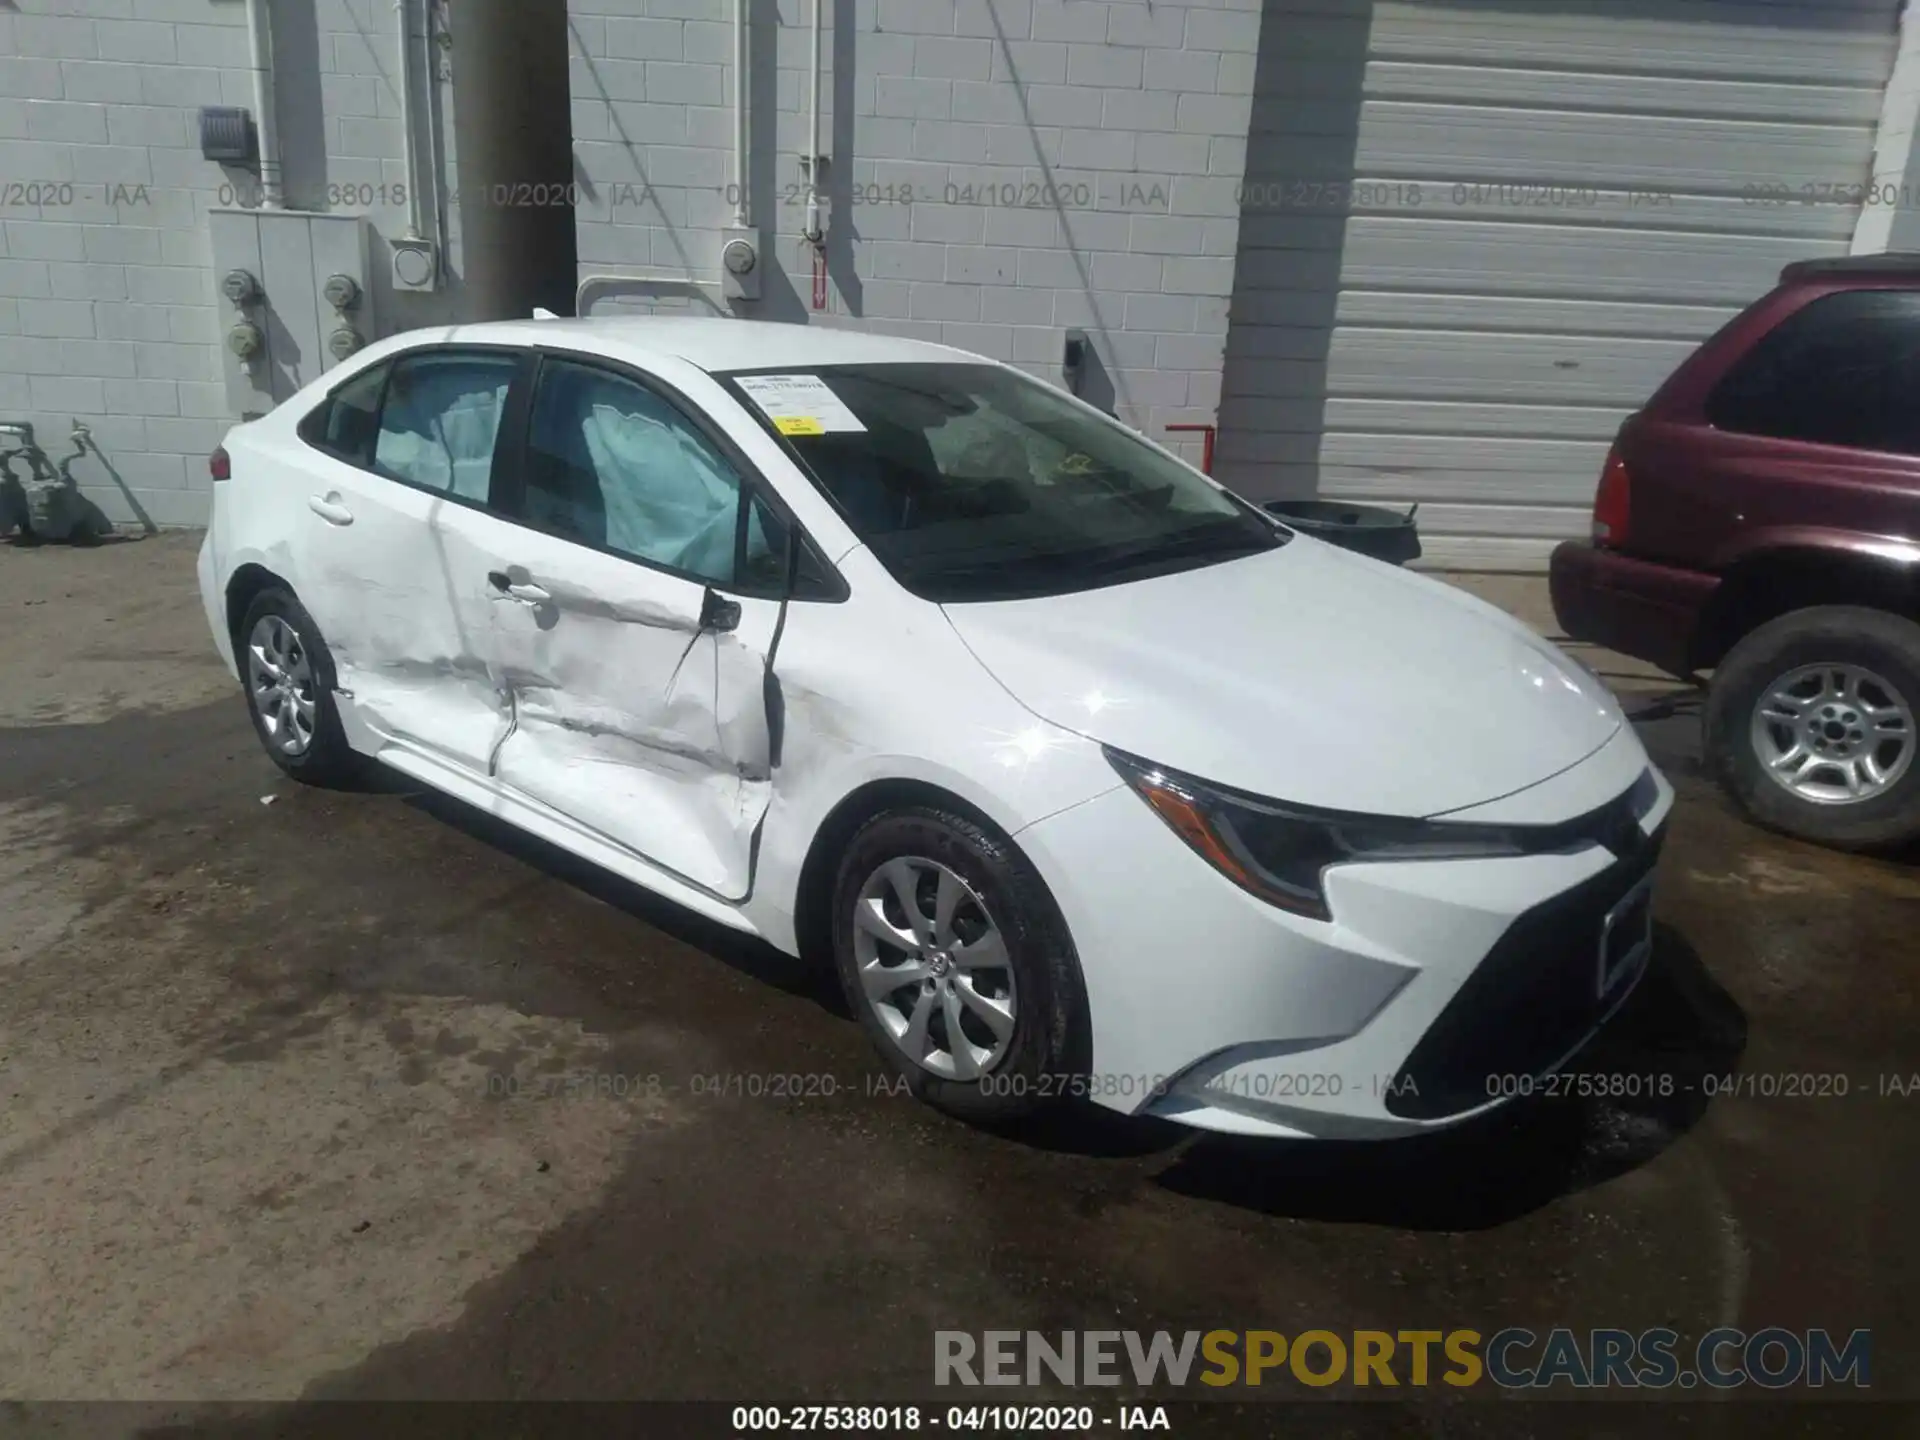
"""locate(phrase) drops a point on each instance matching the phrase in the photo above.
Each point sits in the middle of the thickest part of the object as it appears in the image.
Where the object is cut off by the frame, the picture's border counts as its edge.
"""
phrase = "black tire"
(328, 759)
(1047, 1054)
(1887, 645)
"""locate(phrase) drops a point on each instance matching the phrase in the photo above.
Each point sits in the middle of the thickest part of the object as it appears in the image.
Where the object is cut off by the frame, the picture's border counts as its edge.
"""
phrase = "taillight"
(219, 465)
(1611, 502)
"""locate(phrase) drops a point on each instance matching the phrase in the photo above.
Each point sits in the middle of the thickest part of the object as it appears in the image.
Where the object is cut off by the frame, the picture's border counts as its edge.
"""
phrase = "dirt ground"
(87, 633)
(354, 1095)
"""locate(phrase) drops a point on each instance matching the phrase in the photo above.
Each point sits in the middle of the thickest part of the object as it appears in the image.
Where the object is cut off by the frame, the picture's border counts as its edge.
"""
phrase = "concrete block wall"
(1002, 171)
(108, 309)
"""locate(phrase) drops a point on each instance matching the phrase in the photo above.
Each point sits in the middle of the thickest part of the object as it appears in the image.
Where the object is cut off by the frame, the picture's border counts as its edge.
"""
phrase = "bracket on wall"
(226, 135)
(1073, 359)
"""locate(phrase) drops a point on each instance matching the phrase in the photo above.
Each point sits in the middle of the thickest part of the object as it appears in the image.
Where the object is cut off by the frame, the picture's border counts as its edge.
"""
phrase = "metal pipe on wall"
(595, 288)
(265, 122)
(436, 157)
(742, 210)
(813, 230)
(410, 149)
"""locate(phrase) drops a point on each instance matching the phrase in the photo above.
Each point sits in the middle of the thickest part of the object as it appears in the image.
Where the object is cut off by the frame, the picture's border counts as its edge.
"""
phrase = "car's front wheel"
(288, 674)
(955, 958)
(1810, 725)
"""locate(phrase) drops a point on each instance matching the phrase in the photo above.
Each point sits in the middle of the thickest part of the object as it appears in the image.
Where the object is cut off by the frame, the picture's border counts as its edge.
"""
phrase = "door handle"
(525, 592)
(330, 509)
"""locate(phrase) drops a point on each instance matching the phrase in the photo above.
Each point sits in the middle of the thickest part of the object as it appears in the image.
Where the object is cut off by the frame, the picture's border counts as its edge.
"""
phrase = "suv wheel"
(956, 960)
(1810, 725)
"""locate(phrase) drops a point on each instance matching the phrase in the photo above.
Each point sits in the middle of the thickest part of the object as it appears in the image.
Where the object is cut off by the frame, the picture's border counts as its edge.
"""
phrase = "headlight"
(1281, 852)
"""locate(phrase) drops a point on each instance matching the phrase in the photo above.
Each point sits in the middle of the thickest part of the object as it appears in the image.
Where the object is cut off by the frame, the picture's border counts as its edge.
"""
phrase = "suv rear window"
(1845, 370)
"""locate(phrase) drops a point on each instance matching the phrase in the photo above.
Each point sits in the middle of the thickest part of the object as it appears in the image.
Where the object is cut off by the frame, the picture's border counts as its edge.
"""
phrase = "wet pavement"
(358, 1095)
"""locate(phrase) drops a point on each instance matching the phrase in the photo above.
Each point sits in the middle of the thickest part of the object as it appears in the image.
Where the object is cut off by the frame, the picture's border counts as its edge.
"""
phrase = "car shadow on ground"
(1678, 1027)
(748, 954)
(1669, 726)
(1641, 1084)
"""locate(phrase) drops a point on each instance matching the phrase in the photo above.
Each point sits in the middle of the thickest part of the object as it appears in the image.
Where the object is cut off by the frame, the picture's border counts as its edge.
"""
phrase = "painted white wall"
(1134, 115)
(108, 310)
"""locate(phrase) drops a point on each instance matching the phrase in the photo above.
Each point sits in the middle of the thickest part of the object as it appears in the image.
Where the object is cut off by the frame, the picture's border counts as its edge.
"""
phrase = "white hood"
(1303, 674)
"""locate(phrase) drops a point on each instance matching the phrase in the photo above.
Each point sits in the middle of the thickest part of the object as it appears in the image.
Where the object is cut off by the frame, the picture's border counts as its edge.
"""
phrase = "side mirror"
(717, 613)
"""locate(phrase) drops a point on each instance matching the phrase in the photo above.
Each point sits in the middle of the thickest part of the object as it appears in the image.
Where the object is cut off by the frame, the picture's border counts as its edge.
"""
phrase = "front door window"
(611, 464)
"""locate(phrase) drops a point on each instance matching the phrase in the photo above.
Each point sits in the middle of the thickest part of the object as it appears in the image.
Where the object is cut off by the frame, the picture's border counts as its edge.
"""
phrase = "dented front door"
(628, 717)
(638, 709)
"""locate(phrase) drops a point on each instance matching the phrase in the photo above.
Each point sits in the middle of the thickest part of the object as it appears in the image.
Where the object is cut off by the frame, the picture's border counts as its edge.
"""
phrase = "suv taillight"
(1611, 502)
(219, 465)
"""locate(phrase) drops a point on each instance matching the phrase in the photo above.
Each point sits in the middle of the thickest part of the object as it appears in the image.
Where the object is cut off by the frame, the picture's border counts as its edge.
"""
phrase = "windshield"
(971, 482)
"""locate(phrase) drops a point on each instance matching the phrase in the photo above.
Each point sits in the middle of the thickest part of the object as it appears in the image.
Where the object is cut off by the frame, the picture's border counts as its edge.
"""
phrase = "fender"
(1771, 541)
(1779, 569)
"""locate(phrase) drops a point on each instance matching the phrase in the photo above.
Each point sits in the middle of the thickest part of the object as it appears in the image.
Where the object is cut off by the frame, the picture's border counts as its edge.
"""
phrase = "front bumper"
(1437, 987)
(1648, 611)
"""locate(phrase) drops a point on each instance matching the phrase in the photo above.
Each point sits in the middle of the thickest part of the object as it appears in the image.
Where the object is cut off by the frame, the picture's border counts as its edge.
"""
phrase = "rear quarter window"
(1844, 370)
(347, 423)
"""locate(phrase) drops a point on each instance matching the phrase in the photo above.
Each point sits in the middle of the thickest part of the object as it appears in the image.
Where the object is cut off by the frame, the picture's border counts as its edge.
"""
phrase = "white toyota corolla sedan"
(1091, 777)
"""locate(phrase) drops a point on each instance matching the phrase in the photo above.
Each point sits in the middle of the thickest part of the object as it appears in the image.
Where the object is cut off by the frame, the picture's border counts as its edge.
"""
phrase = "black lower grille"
(1529, 1002)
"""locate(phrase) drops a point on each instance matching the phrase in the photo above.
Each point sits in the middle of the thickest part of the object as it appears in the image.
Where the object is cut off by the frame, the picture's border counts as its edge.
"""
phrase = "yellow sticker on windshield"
(798, 425)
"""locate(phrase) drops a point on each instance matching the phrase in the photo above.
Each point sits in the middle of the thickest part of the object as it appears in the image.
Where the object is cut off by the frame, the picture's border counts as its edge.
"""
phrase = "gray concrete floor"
(288, 1106)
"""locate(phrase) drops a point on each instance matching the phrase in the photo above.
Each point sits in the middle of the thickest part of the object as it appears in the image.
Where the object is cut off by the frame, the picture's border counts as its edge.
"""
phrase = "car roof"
(1896, 265)
(715, 344)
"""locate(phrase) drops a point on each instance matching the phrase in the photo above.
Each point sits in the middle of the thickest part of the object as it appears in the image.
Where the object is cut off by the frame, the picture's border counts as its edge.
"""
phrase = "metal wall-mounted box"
(341, 256)
(742, 260)
(301, 264)
(226, 134)
(416, 266)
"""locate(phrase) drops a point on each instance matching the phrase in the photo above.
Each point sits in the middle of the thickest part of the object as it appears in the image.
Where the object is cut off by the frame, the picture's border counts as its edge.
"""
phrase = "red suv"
(1760, 518)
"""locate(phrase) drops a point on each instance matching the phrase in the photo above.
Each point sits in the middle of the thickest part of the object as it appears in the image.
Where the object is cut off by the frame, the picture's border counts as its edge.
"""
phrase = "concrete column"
(1891, 218)
(516, 156)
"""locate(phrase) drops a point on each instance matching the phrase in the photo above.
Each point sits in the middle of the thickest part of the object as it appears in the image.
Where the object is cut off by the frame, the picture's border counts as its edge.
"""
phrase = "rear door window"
(1845, 370)
(440, 419)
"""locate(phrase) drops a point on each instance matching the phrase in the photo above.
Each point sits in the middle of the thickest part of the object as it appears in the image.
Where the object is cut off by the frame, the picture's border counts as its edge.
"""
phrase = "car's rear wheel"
(1811, 725)
(289, 679)
(955, 958)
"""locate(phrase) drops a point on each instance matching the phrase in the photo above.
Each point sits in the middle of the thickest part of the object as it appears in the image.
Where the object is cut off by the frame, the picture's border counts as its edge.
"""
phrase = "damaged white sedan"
(1091, 777)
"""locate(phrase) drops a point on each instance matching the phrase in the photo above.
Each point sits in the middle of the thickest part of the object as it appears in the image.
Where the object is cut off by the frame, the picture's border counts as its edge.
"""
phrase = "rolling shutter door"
(1475, 236)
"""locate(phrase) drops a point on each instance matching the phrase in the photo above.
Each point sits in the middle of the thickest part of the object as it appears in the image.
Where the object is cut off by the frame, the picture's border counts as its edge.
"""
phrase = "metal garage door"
(1476, 234)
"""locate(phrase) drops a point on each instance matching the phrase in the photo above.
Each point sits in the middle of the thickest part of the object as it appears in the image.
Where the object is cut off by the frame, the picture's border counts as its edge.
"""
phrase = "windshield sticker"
(799, 404)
